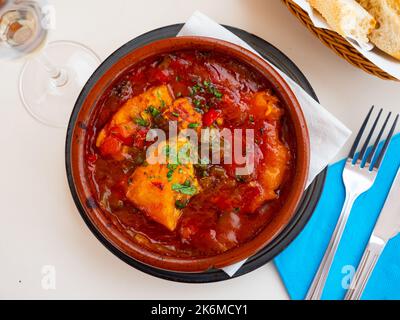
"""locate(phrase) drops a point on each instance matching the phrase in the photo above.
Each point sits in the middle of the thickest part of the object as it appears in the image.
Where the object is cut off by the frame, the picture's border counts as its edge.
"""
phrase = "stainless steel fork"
(358, 176)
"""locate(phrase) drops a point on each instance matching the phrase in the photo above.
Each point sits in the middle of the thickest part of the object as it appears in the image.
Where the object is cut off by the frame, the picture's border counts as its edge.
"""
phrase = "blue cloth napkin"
(298, 264)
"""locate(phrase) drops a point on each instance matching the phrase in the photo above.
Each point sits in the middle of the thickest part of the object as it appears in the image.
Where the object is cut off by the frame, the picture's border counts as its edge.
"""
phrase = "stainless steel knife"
(386, 228)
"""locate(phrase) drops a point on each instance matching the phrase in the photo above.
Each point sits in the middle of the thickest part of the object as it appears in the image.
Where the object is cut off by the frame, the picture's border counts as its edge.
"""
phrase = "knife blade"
(388, 224)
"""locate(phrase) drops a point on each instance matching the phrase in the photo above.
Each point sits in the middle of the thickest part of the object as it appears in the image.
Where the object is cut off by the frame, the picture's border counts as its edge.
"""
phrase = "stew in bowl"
(189, 153)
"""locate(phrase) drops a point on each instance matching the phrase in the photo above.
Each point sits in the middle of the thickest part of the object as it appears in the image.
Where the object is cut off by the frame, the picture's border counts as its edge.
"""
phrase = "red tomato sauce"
(228, 211)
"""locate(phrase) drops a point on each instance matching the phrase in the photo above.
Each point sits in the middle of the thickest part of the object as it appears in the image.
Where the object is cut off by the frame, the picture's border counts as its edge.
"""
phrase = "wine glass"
(54, 72)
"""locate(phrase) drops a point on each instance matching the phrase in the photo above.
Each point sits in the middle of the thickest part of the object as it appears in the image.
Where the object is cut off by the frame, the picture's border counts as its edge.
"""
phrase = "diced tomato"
(158, 184)
(180, 89)
(126, 140)
(224, 202)
(161, 76)
(199, 229)
(210, 116)
(121, 187)
(138, 76)
(124, 133)
(250, 194)
(204, 236)
(133, 137)
(140, 138)
(179, 65)
(111, 146)
(91, 158)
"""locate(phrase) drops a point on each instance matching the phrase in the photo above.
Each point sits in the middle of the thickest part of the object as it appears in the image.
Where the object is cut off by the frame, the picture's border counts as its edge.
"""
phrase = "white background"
(39, 222)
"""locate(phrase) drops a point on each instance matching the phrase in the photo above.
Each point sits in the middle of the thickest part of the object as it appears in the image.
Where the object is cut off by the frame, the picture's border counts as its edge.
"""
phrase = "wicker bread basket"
(337, 43)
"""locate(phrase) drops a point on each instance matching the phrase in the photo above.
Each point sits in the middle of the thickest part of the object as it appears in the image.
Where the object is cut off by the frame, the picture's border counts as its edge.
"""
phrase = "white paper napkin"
(380, 59)
(327, 134)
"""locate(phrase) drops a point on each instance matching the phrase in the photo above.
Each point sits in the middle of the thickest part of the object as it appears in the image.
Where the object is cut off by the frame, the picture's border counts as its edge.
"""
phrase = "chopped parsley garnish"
(177, 78)
(196, 88)
(166, 150)
(215, 92)
(197, 103)
(172, 166)
(185, 188)
(212, 89)
(218, 94)
(181, 204)
(175, 114)
(171, 169)
(198, 110)
(193, 125)
(179, 94)
(141, 122)
(251, 119)
(162, 102)
(153, 111)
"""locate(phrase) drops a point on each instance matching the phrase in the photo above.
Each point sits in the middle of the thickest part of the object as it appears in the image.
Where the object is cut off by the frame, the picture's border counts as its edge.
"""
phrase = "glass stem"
(58, 76)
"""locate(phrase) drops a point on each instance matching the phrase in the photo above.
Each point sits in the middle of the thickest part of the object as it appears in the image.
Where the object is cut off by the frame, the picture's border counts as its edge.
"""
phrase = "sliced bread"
(386, 36)
(346, 17)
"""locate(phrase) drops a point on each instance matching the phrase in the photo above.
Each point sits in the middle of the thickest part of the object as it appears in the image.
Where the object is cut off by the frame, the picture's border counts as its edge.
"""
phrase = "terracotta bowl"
(103, 77)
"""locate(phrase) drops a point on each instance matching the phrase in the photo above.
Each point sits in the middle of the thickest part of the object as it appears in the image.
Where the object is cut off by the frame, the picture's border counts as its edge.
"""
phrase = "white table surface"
(39, 222)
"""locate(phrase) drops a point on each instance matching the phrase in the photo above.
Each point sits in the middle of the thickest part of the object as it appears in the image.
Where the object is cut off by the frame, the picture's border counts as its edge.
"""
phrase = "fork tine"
(378, 139)
(388, 139)
(366, 143)
(359, 134)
